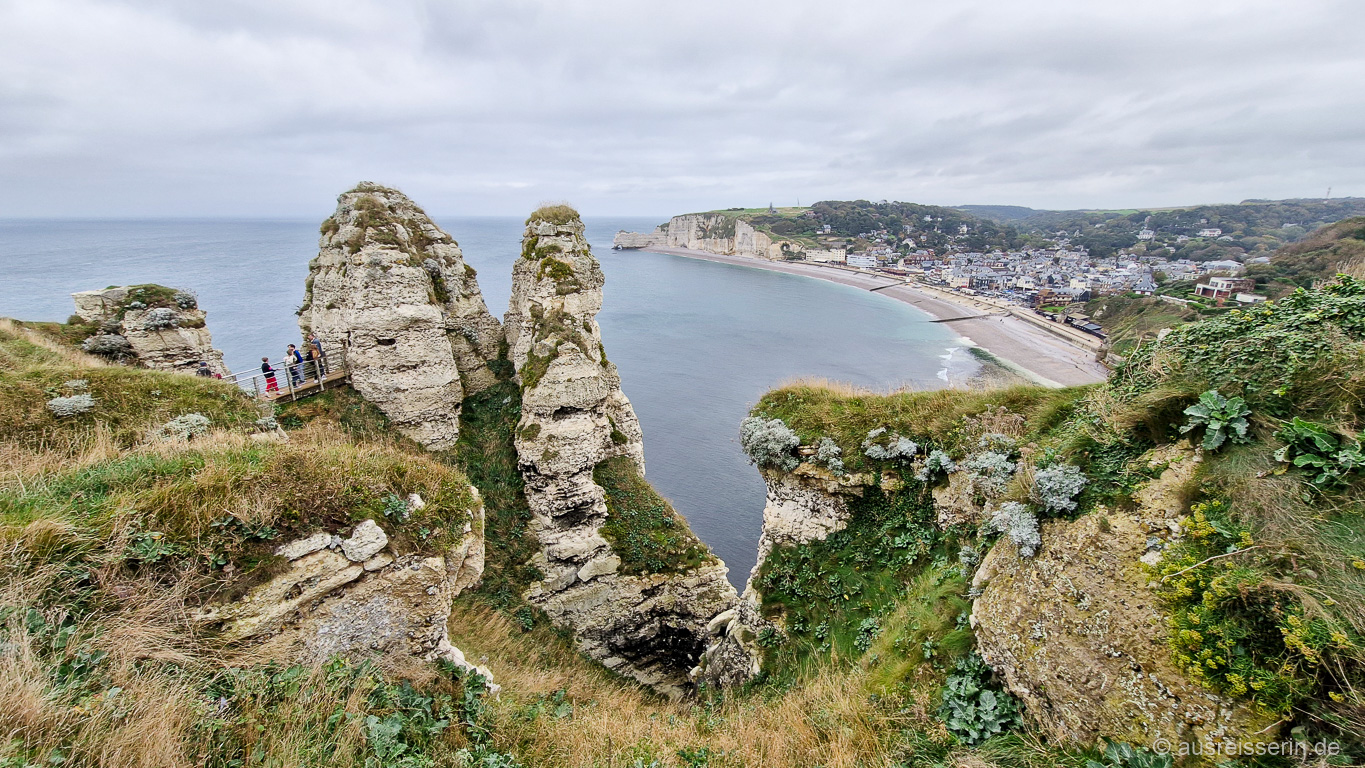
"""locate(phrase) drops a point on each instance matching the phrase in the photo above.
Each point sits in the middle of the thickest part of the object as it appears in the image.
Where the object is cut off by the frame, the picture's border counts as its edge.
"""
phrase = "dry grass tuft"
(51, 352)
(830, 720)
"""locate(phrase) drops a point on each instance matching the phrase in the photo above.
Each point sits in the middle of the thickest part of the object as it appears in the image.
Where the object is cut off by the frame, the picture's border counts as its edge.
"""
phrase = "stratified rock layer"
(351, 596)
(391, 290)
(651, 627)
(150, 325)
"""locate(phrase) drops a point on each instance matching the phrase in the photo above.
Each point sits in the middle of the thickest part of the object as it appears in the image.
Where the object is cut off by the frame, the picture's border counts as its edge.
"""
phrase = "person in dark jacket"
(295, 362)
(203, 370)
(271, 385)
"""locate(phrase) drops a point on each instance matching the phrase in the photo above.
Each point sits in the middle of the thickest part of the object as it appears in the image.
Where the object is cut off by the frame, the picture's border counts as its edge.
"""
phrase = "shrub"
(936, 465)
(1233, 629)
(70, 406)
(1019, 524)
(186, 300)
(768, 442)
(828, 454)
(1056, 487)
(1331, 460)
(990, 472)
(882, 445)
(159, 319)
(184, 427)
(1220, 418)
(973, 708)
(108, 345)
(76, 384)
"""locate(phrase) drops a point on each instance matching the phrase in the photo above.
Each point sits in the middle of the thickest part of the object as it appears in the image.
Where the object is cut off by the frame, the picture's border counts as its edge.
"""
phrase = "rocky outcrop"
(635, 240)
(391, 289)
(1080, 637)
(149, 325)
(652, 627)
(354, 596)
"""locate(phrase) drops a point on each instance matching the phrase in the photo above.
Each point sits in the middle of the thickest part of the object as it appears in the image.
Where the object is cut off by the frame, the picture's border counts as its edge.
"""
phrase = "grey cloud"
(270, 107)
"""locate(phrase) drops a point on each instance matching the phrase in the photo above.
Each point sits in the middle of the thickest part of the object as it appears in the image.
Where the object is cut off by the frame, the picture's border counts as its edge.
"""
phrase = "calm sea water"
(697, 343)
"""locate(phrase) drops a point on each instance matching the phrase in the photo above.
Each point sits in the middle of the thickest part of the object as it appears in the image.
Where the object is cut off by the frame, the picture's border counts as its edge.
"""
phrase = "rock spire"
(390, 289)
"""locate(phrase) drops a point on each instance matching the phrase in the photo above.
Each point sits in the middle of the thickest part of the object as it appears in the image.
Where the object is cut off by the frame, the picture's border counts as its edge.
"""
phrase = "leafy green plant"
(1120, 755)
(1329, 459)
(973, 708)
(1220, 418)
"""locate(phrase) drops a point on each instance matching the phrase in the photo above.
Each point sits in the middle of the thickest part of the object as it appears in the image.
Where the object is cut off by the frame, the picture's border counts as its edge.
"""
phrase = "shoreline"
(1022, 344)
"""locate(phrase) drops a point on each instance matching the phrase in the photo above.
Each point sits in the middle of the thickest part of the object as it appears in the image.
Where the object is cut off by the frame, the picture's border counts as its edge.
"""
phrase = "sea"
(697, 342)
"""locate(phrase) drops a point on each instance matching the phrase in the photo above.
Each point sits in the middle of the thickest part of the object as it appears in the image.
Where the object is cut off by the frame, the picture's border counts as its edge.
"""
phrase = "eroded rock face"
(350, 595)
(633, 240)
(391, 289)
(650, 627)
(150, 325)
(1078, 634)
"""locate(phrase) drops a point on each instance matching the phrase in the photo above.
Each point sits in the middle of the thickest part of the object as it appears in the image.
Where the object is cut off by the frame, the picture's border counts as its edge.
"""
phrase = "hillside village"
(1051, 261)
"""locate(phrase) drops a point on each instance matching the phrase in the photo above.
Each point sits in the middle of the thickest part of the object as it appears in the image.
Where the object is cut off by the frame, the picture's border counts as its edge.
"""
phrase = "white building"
(861, 260)
(1210, 232)
(1146, 234)
(836, 255)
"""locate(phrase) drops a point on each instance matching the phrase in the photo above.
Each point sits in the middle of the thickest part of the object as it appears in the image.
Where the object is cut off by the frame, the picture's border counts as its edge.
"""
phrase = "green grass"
(847, 415)
(643, 528)
(833, 595)
(220, 505)
(485, 450)
(558, 214)
(128, 402)
(1131, 319)
(344, 407)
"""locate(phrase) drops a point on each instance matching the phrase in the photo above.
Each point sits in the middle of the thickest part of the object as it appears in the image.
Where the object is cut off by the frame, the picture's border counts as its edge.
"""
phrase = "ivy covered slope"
(1190, 531)
(134, 504)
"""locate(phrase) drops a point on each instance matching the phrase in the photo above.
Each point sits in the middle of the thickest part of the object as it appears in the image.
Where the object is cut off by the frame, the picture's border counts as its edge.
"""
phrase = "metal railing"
(289, 380)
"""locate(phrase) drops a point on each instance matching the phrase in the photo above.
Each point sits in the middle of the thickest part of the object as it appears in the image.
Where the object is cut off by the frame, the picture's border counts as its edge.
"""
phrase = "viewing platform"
(294, 381)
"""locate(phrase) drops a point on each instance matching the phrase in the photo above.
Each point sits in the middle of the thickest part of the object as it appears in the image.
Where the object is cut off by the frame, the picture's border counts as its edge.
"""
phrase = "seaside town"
(1051, 278)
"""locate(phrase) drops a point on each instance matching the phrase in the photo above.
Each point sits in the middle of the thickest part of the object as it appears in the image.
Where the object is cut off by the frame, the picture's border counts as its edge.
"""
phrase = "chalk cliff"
(646, 620)
(390, 289)
(149, 325)
(711, 232)
(1075, 630)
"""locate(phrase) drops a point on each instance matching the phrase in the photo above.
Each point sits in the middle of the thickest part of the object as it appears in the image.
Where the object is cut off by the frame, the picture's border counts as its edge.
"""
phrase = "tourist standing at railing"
(310, 363)
(270, 384)
(295, 362)
(319, 355)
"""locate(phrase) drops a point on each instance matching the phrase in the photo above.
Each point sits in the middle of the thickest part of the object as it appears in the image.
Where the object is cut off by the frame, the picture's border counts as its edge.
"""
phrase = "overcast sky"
(273, 107)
